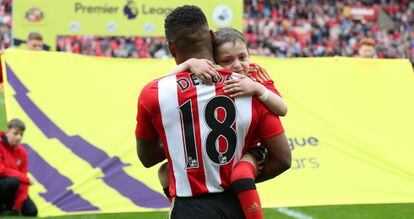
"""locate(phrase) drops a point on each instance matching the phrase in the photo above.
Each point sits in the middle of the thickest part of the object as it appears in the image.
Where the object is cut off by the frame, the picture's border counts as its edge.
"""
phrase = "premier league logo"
(222, 159)
(222, 15)
(192, 163)
(130, 10)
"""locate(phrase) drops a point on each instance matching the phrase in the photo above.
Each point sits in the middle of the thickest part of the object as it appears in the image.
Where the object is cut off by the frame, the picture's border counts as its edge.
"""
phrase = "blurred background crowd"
(277, 28)
(5, 23)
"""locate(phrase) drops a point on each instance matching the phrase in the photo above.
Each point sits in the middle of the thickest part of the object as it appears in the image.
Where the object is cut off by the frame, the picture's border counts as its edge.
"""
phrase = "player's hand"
(259, 153)
(203, 69)
(260, 166)
(243, 86)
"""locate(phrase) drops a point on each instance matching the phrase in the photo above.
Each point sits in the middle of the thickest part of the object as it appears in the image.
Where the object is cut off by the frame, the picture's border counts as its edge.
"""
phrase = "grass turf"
(395, 211)
(379, 211)
(3, 120)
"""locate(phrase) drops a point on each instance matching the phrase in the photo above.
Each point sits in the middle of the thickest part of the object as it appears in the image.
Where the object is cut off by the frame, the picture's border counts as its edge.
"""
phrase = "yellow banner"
(111, 17)
(349, 127)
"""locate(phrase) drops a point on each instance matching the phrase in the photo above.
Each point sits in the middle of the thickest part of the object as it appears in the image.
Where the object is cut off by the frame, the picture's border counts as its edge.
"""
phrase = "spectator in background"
(325, 28)
(14, 183)
(5, 24)
(124, 47)
(366, 48)
(5, 32)
(35, 41)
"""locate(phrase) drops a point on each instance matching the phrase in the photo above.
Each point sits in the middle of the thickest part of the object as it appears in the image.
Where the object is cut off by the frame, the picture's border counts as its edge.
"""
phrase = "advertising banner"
(111, 17)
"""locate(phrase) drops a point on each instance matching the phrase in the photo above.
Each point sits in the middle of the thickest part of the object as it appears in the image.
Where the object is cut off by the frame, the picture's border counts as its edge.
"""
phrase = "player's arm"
(271, 131)
(244, 86)
(279, 157)
(149, 151)
(202, 68)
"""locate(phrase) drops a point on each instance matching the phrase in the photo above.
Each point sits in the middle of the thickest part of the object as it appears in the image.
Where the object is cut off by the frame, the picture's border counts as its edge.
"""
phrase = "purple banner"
(56, 185)
(112, 167)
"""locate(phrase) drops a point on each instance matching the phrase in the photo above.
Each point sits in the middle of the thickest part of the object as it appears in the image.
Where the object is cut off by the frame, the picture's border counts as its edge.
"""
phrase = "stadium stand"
(5, 24)
(135, 47)
(287, 29)
(328, 28)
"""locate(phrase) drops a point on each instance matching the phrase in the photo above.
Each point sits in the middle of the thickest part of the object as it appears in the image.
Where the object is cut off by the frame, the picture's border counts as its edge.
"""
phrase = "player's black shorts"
(223, 205)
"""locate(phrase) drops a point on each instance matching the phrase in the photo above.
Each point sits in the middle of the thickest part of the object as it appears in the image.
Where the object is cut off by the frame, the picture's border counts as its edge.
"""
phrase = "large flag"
(349, 126)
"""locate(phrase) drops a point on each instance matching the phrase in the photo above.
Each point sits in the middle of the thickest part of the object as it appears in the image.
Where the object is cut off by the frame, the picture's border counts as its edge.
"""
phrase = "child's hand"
(243, 86)
(203, 69)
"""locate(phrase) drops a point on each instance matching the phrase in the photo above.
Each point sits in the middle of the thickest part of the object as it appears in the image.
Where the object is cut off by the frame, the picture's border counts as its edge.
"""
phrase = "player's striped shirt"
(203, 130)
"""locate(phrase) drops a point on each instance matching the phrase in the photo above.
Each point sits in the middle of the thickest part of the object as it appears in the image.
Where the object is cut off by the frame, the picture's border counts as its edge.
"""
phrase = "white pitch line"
(294, 214)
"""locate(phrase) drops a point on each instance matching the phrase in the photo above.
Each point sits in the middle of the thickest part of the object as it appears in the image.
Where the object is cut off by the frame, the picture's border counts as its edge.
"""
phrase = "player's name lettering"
(184, 83)
(96, 9)
(305, 163)
(302, 142)
(155, 10)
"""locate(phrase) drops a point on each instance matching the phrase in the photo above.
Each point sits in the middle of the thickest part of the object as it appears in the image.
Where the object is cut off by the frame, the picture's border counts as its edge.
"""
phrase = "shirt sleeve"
(261, 76)
(145, 128)
(24, 158)
(9, 172)
(268, 124)
(21, 196)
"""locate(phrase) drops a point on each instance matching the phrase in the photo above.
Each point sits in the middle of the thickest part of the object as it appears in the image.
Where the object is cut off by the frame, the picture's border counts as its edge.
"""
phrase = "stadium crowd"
(303, 28)
(323, 28)
(5, 24)
(135, 47)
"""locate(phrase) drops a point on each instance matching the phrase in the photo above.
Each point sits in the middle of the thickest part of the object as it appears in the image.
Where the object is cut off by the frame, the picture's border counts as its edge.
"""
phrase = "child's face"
(233, 56)
(14, 136)
(366, 51)
(34, 45)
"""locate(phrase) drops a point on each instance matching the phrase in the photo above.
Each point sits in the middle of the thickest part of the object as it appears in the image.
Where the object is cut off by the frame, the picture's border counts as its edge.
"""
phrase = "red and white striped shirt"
(204, 132)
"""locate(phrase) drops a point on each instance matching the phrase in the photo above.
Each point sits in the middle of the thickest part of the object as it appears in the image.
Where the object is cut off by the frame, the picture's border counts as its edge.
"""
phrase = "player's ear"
(171, 48)
(212, 36)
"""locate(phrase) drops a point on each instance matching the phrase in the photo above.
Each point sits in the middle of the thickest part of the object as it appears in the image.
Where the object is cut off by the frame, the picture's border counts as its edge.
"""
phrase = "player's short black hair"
(227, 34)
(187, 18)
(17, 124)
